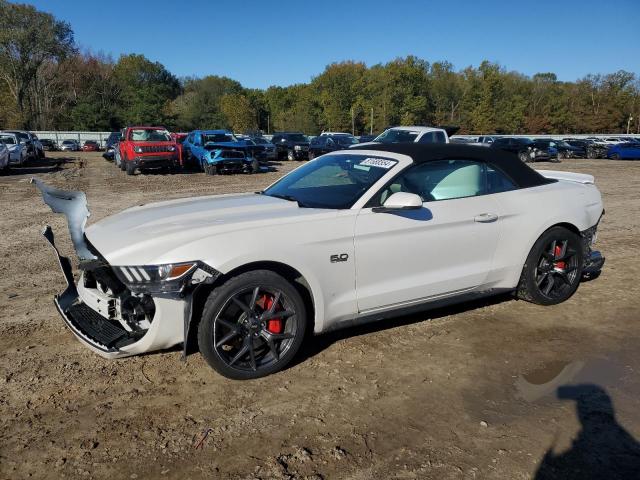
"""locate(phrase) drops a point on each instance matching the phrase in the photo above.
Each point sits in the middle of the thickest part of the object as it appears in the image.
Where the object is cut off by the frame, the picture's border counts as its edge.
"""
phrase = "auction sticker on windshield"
(378, 162)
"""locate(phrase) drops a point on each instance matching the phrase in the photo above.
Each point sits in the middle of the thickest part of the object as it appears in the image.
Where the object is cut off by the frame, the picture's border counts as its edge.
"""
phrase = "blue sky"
(286, 42)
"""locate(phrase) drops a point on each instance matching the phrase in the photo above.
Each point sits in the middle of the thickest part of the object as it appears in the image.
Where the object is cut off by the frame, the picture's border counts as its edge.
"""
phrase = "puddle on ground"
(543, 383)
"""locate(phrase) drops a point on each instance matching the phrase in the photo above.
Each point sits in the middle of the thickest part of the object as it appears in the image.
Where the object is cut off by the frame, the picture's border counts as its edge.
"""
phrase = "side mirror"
(400, 201)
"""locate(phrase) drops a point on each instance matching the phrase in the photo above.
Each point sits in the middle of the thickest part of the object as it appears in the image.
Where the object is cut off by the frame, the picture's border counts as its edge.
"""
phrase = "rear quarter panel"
(527, 213)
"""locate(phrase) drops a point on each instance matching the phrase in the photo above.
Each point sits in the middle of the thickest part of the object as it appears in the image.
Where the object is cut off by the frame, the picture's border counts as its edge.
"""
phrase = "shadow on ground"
(602, 449)
(42, 165)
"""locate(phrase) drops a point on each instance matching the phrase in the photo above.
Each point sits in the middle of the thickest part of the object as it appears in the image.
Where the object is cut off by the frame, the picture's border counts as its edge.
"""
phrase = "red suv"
(146, 148)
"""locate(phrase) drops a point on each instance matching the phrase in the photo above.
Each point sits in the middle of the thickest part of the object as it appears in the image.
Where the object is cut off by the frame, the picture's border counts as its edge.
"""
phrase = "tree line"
(48, 83)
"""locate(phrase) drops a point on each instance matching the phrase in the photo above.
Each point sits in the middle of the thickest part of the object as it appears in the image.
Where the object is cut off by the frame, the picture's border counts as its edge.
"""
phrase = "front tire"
(130, 168)
(252, 325)
(615, 156)
(290, 155)
(552, 271)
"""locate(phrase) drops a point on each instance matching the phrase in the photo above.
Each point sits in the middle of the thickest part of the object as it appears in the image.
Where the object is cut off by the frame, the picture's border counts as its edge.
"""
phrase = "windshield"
(296, 137)
(149, 135)
(8, 139)
(396, 136)
(260, 141)
(218, 138)
(333, 181)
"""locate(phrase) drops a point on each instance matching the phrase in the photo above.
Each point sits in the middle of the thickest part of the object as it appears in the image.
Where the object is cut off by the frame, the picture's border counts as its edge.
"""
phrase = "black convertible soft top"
(523, 175)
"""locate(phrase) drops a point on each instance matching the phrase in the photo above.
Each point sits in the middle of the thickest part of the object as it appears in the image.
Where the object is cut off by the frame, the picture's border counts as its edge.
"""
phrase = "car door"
(443, 249)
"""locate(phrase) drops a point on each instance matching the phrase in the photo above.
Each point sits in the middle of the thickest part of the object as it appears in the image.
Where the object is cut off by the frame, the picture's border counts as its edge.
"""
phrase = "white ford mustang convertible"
(350, 237)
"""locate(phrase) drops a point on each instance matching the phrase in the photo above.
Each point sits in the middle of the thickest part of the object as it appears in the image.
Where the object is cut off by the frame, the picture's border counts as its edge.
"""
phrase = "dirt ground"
(462, 393)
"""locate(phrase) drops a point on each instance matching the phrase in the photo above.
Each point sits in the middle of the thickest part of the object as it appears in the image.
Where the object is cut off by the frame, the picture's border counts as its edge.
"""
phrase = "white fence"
(81, 137)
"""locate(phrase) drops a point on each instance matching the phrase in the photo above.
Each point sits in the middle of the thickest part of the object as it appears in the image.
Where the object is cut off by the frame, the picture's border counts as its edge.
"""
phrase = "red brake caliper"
(556, 253)
(275, 324)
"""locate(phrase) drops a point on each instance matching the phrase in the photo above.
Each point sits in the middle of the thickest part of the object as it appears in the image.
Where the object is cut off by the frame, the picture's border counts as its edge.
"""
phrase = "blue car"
(624, 151)
(218, 151)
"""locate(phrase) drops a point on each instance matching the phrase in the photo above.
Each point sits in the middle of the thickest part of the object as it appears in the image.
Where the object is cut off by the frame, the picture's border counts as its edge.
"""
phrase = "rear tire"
(233, 322)
(552, 271)
(615, 156)
(524, 158)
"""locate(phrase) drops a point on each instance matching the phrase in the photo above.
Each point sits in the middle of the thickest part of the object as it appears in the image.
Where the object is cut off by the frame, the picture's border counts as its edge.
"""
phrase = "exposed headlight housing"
(167, 278)
(171, 148)
(137, 149)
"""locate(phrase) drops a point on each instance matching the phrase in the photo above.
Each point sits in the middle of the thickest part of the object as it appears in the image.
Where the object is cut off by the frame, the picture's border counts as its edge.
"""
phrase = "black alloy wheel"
(252, 325)
(553, 268)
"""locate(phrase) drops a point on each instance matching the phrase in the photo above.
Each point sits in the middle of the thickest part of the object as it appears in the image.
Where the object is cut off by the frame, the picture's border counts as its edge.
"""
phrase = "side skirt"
(416, 308)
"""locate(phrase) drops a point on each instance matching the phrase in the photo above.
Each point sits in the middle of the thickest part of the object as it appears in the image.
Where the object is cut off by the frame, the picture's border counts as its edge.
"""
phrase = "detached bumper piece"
(593, 264)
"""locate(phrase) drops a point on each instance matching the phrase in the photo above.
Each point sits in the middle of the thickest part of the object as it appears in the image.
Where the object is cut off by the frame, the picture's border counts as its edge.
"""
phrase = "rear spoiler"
(568, 176)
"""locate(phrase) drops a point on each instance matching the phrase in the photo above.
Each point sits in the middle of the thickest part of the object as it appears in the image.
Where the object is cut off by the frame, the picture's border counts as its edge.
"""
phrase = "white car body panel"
(411, 257)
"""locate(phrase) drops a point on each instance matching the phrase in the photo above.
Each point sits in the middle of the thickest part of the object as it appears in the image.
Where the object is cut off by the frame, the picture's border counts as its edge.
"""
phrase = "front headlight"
(297, 147)
(171, 148)
(167, 278)
(137, 149)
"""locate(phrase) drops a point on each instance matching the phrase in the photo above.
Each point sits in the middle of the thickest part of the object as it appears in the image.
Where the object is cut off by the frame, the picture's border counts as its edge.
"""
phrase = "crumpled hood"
(145, 234)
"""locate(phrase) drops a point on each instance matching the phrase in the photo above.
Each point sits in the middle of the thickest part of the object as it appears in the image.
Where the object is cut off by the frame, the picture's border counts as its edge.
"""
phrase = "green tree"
(28, 39)
(147, 88)
(240, 114)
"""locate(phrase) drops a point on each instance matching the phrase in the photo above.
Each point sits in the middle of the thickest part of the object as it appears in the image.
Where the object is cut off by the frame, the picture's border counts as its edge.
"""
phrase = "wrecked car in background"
(219, 151)
(250, 273)
(146, 148)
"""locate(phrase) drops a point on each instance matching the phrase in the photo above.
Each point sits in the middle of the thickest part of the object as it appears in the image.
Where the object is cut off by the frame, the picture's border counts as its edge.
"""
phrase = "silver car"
(4, 157)
(70, 146)
(18, 153)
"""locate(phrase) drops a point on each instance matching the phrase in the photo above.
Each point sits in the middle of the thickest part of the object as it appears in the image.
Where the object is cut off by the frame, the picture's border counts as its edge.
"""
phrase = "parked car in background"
(194, 145)
(524, 148)
(144, 148)
(49, 145)
(91, 146)
(269, 148)
(112, 139)
(327, 143)
(70, 145)
(412, 135)
(461, 140)
(366, 138)
(4, 156)
(291, 145)
(18, 153)
(566, 150)
(223, 159)
(624, 151)
(32, 144)
(109, 145)
(256, 150)
(547, 149)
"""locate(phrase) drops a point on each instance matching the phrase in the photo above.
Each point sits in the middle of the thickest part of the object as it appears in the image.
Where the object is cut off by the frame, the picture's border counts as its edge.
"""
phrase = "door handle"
(486, 218)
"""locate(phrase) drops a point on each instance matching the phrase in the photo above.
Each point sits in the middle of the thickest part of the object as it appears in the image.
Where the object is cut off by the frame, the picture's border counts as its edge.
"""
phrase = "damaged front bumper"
(102, 312)
(593, 259)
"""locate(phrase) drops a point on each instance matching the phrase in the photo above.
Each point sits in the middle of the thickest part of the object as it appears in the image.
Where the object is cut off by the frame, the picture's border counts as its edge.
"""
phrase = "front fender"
(315, 287)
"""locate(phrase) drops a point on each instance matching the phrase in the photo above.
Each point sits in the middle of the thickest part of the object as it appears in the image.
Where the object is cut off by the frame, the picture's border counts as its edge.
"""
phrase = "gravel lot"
(461, 392)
